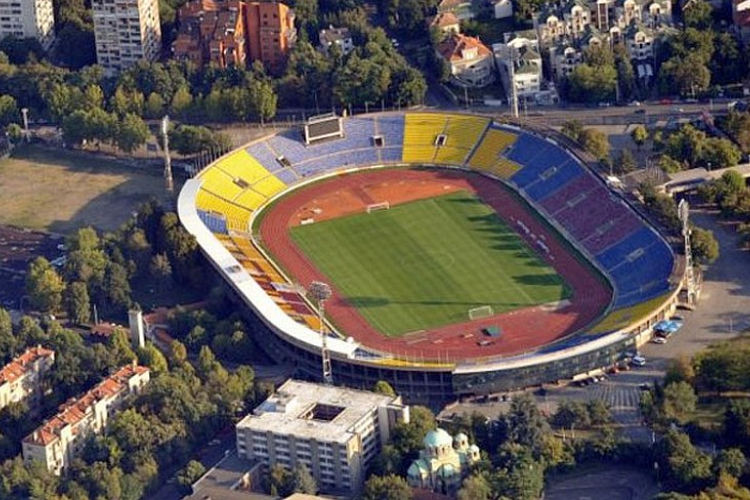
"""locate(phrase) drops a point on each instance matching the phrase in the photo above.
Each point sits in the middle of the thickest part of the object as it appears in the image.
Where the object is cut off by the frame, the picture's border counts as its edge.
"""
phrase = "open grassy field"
(60, 191)
(424, 264)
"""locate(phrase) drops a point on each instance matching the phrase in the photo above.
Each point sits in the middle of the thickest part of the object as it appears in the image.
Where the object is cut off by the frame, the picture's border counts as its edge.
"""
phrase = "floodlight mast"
(320, 292)
(167, 157)
(683, 210)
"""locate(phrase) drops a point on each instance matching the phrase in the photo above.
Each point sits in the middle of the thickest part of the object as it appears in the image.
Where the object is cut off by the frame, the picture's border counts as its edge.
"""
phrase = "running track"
(522, 330)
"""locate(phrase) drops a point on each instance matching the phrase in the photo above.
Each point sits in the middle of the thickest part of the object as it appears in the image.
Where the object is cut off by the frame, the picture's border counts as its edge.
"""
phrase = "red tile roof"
(442, 20)
(20, 365)
(74, 411)
(452, 47)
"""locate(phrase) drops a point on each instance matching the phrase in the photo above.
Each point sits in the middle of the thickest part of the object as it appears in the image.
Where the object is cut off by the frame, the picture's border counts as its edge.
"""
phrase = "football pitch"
(424, 264)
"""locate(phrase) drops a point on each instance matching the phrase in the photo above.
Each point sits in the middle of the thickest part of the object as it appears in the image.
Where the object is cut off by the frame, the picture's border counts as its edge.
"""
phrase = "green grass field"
(424, 264)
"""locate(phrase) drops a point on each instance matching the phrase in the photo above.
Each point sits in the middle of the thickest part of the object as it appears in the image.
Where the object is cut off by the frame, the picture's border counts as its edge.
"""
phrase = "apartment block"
(212, 33)
(56, 442)
(126, 31)
(21, 379)
(334, 431)
(28, 19)
(235, 32)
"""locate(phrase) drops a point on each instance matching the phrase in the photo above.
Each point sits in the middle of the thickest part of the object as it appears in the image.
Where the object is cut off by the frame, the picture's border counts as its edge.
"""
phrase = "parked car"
(659, 339)
(638, 361)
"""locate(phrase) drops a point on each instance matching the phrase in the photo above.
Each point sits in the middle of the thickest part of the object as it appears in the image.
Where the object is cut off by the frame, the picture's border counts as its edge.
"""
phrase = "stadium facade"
(220, 204)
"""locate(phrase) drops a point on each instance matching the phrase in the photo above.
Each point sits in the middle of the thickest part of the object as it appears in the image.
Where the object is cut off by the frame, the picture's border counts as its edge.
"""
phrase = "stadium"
(464, 256)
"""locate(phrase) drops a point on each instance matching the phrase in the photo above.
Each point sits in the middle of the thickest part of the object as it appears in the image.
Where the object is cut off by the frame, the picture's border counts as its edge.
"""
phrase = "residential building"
(212, 32)
(341, 37)
(562, 23)
(447, 22)
(28, 19)
(271, 33)
(126, 32)
(443, 463)
(22, 379)
(335, 432)
(502, 8)
(741, 18)
(463, 9)
(519, 64)
(235, 33)
(470, 61)
(58, 440)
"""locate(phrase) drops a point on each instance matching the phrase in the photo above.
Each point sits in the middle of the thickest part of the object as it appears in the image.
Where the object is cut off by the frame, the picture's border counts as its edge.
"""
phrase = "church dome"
(437, 438)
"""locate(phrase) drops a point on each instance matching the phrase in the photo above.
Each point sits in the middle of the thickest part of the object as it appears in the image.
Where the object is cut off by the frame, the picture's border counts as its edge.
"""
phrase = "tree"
(639, 134)
(475, 487)
(679, 402)
(152, 357)
(383, 387)
(132, 133)
(720, 153)
(154, 107)
(705, 246)
(687, 75)
(679, 370)
(7, 340)
(263, 100)
(190, 473)
(669, 165)
(390, 487)
(587, 83)
(77, 303)
(697, 15)
(625, 162)
(572, 129)
(280, 481)
(44, 286)
(8, 110)
(117, 286)
(595, 142)
(303, 481)
(687, 465)
(599, 412)
(181, 102)
(730, 461)
(524, 423)
(160, 269)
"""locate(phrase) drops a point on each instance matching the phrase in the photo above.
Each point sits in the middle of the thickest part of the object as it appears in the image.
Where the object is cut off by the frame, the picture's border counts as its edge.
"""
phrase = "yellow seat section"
(504, 169)
(621, 318)
(451, 156)
(250, 199)
(269, 186)
(243, 166)
(419, 136)
(488, 153)
(462, 133)
(219, 183)
(235, 216)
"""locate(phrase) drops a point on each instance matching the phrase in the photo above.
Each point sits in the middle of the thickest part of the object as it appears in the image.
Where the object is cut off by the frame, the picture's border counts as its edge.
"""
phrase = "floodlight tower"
(320, 292)
(683, 210)
(512, 77)
(167, 158)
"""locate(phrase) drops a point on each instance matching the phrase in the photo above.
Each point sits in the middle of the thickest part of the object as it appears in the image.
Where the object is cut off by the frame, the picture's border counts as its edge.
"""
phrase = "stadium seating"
(262, 152)
(636, 259)
(391, 128)
(462, 134)
(487, 154)
(420, 134)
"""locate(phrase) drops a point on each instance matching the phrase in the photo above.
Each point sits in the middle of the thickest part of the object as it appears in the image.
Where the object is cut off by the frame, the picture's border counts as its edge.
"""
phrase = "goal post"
(480, 312)
(378, 206)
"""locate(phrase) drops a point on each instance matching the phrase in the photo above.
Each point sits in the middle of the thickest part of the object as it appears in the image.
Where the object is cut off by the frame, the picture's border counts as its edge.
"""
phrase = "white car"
(659, 340)
(638, 361)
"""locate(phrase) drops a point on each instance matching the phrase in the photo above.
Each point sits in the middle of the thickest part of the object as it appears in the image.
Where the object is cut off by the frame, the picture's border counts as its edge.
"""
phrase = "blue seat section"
(643, 238)
(358, 134)
(391, 127)
(261, 152)
(391, 154)
(526, 148)
(336, 161)
(553, 179)
(287, 176)
(213, 222)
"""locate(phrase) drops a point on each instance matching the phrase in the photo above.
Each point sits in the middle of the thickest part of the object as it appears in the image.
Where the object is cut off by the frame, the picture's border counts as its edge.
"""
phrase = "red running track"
(522, 330)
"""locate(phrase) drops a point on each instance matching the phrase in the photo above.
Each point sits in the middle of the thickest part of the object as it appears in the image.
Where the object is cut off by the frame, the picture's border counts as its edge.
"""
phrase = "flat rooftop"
(313, 411)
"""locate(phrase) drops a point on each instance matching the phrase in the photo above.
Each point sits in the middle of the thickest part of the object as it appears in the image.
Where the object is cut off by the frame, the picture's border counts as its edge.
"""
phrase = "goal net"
(480, 312)
(378, 206)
